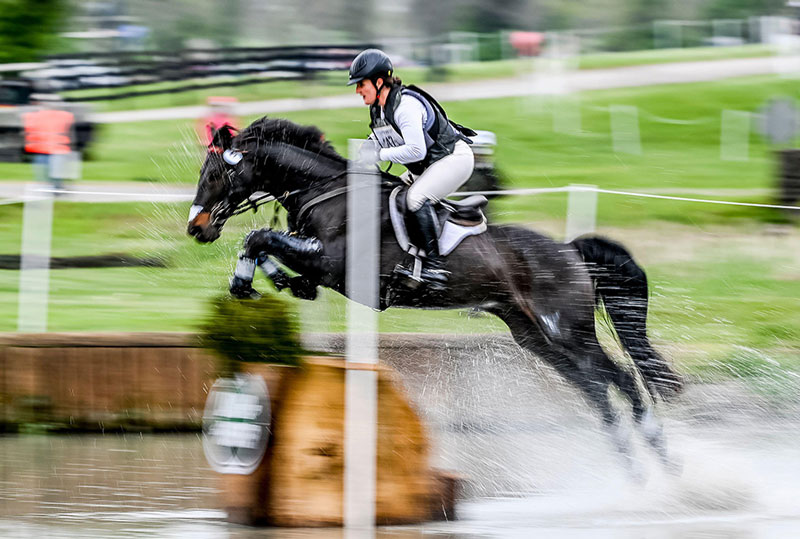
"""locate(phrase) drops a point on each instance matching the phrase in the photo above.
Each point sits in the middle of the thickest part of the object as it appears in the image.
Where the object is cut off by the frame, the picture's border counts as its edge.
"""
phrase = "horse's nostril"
(194, 230)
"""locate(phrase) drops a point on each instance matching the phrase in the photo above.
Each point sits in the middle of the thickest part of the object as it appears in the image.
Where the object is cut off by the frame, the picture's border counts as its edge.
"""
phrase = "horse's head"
(226, 179)
(271, 155)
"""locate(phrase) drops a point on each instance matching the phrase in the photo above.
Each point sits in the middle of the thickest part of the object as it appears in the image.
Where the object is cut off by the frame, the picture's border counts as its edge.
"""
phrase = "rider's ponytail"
(393, 81)
(389, 81)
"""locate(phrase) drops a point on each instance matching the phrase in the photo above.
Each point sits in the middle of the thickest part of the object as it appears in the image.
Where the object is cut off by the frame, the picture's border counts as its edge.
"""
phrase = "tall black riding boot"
(433, 271)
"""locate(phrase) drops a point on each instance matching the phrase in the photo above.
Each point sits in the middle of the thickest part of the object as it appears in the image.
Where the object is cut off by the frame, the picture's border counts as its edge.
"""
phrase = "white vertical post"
(566, 107)
(779, 32)
(581, 211)
(625, 129)
(34, 274)
(361, 393)
(734, 136)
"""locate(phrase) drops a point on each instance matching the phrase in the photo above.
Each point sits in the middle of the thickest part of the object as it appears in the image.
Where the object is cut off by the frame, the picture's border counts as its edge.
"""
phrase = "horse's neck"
(307, 179)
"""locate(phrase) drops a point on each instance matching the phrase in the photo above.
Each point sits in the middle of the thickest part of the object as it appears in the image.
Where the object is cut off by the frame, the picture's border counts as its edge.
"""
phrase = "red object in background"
(220, 113)
(526, 43)
(47, 131)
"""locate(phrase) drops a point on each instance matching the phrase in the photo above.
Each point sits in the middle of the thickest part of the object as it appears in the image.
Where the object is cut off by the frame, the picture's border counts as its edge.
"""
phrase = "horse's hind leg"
(589, 370)
(593, 373)
(642, 407)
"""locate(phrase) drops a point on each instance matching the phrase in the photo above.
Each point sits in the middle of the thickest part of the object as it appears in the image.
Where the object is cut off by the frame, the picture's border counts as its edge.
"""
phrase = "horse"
(547, 293)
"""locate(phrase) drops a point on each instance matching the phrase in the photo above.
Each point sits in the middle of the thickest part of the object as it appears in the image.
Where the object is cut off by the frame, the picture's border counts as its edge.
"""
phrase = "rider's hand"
(368, 154)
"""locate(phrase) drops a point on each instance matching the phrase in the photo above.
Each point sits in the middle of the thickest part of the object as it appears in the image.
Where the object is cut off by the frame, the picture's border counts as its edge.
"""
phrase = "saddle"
(458, 219)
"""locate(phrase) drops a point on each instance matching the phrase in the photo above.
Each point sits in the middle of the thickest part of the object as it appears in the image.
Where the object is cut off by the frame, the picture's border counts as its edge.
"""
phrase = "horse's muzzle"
(202, 229)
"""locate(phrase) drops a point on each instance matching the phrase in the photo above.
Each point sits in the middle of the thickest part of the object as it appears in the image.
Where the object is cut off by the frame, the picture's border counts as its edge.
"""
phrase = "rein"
(255, 203)
(252, 204)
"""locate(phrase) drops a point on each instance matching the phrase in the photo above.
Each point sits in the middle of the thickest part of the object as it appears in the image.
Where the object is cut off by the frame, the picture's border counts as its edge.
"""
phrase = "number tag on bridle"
(232, 157)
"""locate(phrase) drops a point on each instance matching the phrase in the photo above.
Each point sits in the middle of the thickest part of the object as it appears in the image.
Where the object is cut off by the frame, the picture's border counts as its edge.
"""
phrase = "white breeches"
(442, 178)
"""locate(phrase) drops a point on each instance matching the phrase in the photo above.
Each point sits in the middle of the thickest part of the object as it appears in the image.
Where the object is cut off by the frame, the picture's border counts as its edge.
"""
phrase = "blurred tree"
(355, 19)
(434, 17)
(174, 23)
(638, 20)
(29, 27)
(741, 9)
(493, 15)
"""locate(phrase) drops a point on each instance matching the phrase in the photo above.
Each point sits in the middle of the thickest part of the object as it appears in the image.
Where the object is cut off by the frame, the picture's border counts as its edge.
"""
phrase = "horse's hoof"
(241, 289)
(302, 288)
(281, 281)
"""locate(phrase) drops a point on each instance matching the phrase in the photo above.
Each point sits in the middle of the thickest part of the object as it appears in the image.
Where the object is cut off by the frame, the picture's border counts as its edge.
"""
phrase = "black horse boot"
(433, 272)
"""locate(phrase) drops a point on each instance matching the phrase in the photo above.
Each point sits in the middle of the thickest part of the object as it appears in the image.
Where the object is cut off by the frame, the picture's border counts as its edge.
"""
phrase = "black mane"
(306, 137)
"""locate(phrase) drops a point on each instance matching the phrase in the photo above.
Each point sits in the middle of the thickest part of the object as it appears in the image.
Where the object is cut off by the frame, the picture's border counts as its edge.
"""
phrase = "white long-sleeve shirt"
(410, 117)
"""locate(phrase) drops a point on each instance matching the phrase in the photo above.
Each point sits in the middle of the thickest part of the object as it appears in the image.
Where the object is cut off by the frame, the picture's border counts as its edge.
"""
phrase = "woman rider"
(412, 129)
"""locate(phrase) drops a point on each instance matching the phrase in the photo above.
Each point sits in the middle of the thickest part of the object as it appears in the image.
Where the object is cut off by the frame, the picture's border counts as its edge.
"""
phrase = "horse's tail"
(621, 284)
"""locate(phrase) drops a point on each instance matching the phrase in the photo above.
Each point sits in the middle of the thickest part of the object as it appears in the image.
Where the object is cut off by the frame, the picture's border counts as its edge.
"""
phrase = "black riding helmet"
(370, 64)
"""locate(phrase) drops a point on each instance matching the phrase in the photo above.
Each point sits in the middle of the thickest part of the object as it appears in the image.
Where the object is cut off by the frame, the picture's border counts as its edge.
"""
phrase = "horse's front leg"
(297, 252)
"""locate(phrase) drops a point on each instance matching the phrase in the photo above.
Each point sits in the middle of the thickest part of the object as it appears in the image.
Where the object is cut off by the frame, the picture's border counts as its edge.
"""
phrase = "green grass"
(722, 281)
(172, 299)
(662, 56)
(718, 291)
(531, 154)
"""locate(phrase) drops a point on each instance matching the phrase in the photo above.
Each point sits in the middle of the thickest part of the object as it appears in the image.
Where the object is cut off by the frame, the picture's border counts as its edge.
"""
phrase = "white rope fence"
(156, 197)
(147, 196)
(572, 188)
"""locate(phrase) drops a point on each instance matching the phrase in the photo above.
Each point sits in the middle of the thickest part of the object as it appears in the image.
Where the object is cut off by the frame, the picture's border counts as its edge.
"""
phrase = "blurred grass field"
(332, 82)
(674, 155)
(724, 279)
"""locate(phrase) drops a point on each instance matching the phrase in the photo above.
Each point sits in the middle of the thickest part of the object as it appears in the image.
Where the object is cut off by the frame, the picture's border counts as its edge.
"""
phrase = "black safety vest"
(441, 134)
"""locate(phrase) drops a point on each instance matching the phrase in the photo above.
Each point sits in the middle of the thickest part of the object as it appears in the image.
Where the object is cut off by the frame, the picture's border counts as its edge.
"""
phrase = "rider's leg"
(428, 225)
(442, 178)
(439, 180)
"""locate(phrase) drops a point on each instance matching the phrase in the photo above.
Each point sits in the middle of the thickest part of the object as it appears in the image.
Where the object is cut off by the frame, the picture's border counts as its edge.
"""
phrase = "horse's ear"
(222, 137)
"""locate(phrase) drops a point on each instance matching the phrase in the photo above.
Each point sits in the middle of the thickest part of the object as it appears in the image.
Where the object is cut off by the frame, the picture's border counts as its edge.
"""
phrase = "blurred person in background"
(221, 111)
(49, 135)
(410, 128)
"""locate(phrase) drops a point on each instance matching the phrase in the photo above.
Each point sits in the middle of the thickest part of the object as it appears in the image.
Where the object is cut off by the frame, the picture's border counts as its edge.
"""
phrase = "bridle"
(252, 203)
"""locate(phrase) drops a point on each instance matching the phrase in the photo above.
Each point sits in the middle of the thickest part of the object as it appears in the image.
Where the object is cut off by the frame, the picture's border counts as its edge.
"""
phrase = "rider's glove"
(368, 155)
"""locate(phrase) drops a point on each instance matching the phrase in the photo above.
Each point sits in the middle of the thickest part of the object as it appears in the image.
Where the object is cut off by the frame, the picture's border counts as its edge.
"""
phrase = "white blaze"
(193, 211)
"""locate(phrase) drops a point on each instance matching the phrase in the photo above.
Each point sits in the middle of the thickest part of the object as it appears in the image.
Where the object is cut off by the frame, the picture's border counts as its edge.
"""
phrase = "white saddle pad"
(452, 234)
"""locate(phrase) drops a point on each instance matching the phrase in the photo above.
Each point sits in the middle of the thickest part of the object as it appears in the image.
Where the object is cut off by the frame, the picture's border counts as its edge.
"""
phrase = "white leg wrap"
(269, 267)
(245, 268)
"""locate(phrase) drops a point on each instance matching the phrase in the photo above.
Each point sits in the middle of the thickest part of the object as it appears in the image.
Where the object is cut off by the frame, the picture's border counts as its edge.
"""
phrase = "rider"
(412, 129)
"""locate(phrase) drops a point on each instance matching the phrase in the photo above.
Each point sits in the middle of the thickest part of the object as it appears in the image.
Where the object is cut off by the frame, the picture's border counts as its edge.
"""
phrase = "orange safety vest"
(47, 131)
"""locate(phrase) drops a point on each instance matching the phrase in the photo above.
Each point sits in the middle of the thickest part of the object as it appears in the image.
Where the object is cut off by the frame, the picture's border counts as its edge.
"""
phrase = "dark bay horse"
(545, 291)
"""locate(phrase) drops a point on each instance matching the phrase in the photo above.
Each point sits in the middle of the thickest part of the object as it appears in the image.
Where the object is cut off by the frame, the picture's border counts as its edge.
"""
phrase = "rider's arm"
(409, 117)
